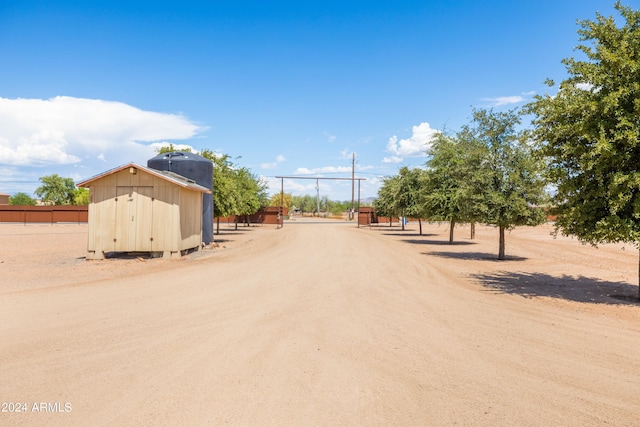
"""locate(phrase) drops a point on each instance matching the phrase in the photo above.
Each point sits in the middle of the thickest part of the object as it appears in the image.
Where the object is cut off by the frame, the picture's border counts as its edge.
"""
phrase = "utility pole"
(318, 195)
(353, 175)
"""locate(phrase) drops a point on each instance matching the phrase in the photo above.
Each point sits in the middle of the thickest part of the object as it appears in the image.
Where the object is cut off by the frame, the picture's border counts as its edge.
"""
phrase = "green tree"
(385, 204)
(56, 190)
(339, 207)
(589, 133)
(277, 200)
(21, 199)
(81, 198)
(225, 190)
(515, 185)
(453, 185)
(251, 192)
(399, 195)
(305, 203)
(407, 194)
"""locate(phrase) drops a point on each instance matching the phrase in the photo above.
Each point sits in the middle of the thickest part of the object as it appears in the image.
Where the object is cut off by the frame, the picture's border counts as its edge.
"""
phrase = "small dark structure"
(367, 216)
(197, 168)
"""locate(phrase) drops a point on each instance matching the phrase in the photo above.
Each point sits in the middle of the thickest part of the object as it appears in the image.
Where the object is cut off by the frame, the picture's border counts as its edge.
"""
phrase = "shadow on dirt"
(226, 235)
(438, 242)
(580, 289)
(408, 235)
(476, 256)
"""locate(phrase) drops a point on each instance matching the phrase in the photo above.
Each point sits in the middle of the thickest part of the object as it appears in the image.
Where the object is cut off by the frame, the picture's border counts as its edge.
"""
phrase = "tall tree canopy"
(400, 195)
(56, 190)
(252, 194)
(515, 187)
(453, 182)
(408, 194)
(590, 133)
(385, 204)
(281, 199)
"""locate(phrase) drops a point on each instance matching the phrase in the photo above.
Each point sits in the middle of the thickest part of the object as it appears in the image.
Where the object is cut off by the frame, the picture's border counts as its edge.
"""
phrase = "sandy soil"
(320, 323)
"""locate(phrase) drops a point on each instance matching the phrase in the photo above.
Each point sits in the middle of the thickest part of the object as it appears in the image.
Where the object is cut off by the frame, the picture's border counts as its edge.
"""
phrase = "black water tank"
(197, 168)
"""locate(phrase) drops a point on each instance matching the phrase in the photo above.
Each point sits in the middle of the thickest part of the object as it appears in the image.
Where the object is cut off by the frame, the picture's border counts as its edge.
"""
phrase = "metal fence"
(43, 214)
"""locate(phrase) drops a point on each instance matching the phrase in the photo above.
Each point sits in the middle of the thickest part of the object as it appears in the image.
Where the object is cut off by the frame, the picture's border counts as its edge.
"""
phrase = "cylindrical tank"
(197, 168)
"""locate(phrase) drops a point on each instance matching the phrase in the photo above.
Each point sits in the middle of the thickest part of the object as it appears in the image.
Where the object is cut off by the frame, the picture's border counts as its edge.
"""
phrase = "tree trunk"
(452, 224)
(639, 274)
(218, 225)
(236, 221)
(473, 230)
(501, 250)
(402, 221)
(420, 224)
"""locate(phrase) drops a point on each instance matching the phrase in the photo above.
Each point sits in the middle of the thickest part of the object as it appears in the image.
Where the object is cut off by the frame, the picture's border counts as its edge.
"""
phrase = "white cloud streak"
(324, 169)
(279, 159)
(501, 101)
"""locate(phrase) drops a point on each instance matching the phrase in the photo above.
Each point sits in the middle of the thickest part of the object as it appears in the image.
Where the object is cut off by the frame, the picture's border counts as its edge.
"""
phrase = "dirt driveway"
(320, 323)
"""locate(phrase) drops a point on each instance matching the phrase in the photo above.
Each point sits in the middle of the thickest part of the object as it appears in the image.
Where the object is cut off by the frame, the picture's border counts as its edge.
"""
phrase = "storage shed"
(137, 209)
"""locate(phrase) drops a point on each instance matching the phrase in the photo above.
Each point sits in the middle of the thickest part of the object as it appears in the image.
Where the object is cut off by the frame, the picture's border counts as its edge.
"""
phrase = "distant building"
(4, 199)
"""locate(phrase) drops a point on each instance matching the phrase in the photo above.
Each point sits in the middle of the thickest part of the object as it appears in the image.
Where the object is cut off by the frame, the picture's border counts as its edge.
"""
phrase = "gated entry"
(318, 178)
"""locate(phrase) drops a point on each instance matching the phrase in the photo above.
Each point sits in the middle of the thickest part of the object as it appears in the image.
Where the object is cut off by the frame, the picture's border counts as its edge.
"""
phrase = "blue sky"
(283, 87)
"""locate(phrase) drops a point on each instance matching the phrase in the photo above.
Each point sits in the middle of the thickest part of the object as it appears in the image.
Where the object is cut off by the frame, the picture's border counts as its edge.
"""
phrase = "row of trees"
(487, 172)
(54, 190)
(585, 140)
(308, 203)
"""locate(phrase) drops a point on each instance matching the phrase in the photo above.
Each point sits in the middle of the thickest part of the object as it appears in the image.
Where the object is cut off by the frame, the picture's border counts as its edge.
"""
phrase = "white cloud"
(414, 146)
(330, 138)
(279, 159)
(66, 130)
(274, 186)
(501, 101)
(346, 154)
(324, 169)
(392, 159)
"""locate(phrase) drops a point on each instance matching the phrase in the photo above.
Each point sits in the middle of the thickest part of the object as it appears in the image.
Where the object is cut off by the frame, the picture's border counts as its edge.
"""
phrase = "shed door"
(133, 219)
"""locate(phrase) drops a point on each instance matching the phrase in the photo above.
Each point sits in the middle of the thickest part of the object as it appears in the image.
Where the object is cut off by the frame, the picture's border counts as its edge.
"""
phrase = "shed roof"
(166, 175)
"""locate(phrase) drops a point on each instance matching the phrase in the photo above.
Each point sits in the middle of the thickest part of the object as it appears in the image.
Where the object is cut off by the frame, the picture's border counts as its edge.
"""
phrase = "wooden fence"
(266, 215)
(43, 214)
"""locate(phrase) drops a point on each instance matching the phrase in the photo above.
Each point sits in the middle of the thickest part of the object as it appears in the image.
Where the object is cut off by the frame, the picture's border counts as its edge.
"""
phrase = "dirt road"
(329, 324)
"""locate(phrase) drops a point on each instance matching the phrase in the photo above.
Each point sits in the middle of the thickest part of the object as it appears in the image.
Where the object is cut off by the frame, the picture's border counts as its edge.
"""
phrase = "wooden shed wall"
(190, 208)
(142, 212)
